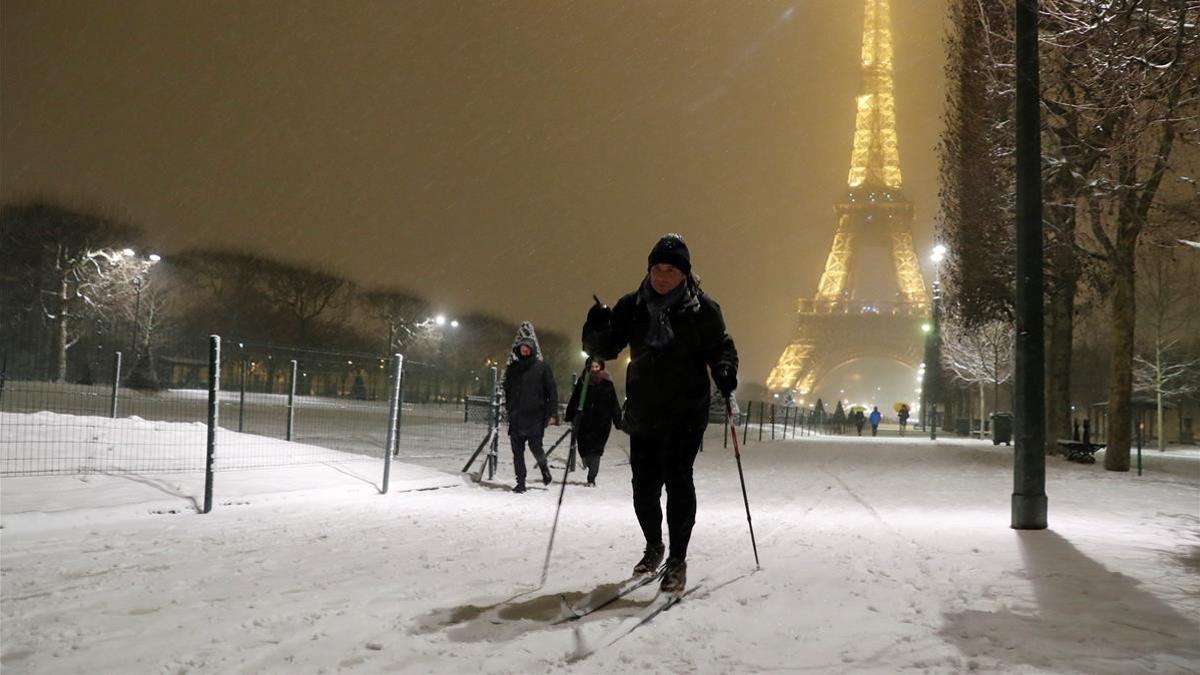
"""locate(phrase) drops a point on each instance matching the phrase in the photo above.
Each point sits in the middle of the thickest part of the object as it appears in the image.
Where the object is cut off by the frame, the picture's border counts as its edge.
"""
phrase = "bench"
(1078, 451)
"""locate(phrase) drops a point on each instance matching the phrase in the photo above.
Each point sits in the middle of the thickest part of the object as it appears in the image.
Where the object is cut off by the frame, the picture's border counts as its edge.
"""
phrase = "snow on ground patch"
(878, 556)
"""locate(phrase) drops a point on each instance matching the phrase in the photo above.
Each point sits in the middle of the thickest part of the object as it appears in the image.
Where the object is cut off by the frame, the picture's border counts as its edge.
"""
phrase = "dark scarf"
(522, 364)
(660, 333)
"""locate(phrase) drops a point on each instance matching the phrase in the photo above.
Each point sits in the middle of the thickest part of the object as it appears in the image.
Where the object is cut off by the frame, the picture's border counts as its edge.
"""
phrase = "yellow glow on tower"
(875, 159)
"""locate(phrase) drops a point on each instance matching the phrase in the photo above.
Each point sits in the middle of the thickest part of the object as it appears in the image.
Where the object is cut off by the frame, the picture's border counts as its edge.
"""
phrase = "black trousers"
(591, 462)
(659, 461)
(518, 448)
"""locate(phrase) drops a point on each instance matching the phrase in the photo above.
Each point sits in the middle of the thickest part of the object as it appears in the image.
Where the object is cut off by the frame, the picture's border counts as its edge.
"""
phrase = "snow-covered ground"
(878, 555)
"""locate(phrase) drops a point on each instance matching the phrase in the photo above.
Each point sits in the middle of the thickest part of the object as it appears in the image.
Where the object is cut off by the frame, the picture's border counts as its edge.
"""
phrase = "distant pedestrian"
(876, 417)
(903, 414)
(531, 401)
(677, 340)
(859, 420)
(601, 412)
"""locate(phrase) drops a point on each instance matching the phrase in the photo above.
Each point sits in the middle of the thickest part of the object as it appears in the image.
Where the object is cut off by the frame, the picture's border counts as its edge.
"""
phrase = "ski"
(661, 603)
(623, 589)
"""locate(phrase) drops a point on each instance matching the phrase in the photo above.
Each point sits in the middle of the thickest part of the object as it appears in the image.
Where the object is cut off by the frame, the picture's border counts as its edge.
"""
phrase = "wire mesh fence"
(98, 423)
(284, 406)
(278, 406)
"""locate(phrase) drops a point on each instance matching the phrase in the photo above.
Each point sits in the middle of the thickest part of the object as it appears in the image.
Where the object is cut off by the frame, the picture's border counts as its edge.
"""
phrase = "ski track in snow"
(878, 555)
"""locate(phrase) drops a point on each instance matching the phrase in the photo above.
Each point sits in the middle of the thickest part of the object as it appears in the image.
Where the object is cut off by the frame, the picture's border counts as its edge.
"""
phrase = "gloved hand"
(599, 316)
(597, 325)
(726, 380)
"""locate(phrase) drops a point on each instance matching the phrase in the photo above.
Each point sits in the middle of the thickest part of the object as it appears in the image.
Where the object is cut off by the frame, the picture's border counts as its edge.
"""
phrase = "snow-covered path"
(878, 555)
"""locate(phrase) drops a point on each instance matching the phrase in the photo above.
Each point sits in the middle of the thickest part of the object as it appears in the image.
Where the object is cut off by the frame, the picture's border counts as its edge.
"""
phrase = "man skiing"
(676, 337)
(600, 413)
(531, 401)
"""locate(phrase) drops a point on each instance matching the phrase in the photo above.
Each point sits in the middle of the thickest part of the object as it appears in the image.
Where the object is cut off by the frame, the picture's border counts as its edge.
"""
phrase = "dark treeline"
(75, 286)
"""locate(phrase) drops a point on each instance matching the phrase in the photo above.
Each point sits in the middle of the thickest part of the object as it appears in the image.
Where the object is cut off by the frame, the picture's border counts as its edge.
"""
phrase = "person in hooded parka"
(531, 402)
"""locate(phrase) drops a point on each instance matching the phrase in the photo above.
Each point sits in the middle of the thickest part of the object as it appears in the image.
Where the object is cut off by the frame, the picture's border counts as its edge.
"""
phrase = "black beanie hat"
(671, 250)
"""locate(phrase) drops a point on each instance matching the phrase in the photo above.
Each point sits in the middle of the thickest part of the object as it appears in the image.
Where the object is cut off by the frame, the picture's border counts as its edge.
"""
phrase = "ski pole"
(558, 442)
(567, 469)
(738, 455)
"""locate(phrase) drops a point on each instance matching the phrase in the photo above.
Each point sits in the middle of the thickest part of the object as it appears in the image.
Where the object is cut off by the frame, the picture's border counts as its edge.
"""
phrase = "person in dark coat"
(903, 415)
(859, 420)
(601, 412)
(531, 401)
(676, 338)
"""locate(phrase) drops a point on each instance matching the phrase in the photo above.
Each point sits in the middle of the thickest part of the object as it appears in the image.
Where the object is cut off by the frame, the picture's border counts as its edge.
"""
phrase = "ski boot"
(650, 560)
(674, 576)
(520, 487)
(545, 474)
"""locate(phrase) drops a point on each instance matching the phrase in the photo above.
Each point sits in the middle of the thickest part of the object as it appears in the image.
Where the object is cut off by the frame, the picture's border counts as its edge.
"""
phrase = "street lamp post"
(1029, 503)
(139, 279)
(931, 384)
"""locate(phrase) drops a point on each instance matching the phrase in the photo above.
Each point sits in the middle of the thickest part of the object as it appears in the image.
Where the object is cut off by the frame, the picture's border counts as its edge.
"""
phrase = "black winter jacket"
(530, 396)
(600, 413)
(666, 389)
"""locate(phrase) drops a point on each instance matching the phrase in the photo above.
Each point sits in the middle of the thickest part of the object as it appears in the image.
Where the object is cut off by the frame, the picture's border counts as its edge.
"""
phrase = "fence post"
(291, 410)
(787, 412)
(214, 392)
(112, 408)
(746, 424)
(393, 413)
(242, 399)
(494, 423)
(399, 415)
(772, 421)
(761, 411)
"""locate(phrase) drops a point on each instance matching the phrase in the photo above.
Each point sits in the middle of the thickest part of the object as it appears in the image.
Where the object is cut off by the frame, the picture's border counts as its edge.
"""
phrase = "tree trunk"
(1158, 397)
(1060, 328)
(1120, 379)
(59, 340)
(982, 408)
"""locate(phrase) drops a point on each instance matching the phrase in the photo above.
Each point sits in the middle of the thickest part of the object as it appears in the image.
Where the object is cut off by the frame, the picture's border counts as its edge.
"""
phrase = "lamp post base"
(1029, 512)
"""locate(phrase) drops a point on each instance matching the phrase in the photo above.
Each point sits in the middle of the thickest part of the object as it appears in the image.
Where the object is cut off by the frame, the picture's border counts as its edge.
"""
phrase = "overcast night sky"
(509, 157)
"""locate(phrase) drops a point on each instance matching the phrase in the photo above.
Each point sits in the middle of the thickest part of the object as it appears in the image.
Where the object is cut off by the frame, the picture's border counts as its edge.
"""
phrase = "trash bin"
(962, 426)
(1002, 428)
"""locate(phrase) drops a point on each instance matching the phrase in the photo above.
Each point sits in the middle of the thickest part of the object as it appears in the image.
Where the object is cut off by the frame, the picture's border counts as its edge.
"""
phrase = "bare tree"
(303, 294)
(979, 355)
(1167, 364)
(67, 260)
(402, 314)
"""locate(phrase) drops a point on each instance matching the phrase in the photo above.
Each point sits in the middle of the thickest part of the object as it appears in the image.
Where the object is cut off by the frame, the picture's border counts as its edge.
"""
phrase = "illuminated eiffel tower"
(871, 300)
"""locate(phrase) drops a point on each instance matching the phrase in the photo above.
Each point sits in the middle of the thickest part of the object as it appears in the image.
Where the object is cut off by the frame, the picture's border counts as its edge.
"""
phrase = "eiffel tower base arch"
(823, 342)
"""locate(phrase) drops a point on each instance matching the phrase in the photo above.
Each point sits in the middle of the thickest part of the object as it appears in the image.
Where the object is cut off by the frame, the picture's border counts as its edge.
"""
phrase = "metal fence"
(275, 407)
(98, 425)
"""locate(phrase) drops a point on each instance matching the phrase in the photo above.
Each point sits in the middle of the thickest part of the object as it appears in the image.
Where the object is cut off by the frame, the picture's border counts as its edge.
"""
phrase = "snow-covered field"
(879, 555)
